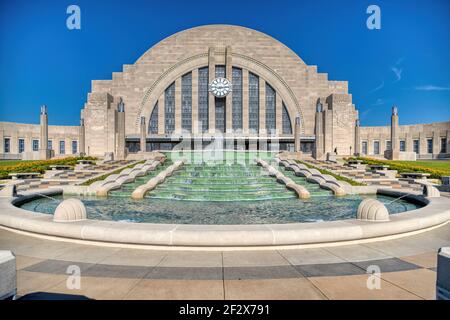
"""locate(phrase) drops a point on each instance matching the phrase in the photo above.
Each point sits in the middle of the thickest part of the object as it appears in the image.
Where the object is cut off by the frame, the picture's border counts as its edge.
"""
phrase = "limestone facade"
(144, 85)
(164, 97)
(428, 141)
(11, 133)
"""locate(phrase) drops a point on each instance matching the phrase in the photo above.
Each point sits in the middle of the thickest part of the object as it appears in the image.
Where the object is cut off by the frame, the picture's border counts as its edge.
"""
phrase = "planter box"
(8, 286)
(443, 274)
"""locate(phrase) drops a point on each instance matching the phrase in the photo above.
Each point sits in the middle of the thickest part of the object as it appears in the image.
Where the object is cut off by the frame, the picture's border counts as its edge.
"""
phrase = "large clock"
(220, 87)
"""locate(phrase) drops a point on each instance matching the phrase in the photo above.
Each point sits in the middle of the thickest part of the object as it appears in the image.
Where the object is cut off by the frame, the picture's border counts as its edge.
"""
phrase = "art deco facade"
(229, 83)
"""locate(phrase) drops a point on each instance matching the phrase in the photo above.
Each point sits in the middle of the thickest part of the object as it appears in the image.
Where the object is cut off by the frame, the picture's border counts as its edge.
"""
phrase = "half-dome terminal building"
(221, 83)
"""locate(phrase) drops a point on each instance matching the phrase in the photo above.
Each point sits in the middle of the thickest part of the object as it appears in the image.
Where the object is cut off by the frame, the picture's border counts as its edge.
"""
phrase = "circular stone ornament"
(70, 210)
(220, 87)
(372, 210)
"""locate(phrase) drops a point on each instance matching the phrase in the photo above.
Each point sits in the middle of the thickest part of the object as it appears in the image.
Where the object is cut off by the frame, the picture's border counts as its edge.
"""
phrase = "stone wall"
(408, 133)
(30, 132)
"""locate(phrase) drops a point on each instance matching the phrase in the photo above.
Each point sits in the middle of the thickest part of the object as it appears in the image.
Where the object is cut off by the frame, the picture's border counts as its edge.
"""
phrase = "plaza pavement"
(407, 270)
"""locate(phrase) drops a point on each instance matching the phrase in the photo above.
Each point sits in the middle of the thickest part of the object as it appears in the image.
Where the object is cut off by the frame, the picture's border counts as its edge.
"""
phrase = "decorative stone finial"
(81, 122)
(372, 210)
(70, 210)
(357, 122)
(44, 109)
(394, 111)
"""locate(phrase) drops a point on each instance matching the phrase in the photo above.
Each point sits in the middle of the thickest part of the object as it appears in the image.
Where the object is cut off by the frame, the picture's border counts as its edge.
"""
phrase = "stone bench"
(23, 175)
(379, 167)
(415, 175)
(357, 162)
(60, 167)
(85, 162)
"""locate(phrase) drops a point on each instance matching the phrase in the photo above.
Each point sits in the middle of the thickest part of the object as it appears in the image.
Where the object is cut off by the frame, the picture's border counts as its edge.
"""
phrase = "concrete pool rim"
(436, 212)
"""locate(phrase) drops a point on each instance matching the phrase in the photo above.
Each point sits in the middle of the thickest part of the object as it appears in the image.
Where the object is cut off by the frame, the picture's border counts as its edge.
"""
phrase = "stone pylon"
(395, 148)
(81, 138)
(120, 133)
(319, 145)
(143, 135)
(297, 131)
(44, 153)
(357, 138)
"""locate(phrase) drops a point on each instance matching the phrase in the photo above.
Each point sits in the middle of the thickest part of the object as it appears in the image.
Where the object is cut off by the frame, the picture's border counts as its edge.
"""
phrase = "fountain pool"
(228, 188)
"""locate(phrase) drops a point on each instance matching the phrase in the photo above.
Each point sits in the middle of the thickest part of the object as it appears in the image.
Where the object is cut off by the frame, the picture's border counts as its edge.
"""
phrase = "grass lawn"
(11, 162)
(437, 168)
(10, 166)
(430, 164)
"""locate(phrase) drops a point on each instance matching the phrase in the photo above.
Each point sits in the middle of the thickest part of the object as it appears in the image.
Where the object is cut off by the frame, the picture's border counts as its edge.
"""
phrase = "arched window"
(286, 121)
(169, 109)
(237, 98)
(153, 125)
(270, 109)
(186, 102)
(203, 102)
(253, 102)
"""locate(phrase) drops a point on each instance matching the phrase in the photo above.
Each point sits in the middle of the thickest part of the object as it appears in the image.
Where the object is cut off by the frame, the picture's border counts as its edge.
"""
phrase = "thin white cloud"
(378, 87)
(379, 102)
(397, 72)
(431, 87)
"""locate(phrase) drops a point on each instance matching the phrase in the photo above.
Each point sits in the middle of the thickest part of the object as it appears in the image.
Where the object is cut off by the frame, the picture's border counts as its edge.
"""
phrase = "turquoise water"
(225, 188)
(325, 208)
(220, 176)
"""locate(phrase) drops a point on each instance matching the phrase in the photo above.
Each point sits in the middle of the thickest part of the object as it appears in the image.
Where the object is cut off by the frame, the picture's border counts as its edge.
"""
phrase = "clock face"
(220, 87)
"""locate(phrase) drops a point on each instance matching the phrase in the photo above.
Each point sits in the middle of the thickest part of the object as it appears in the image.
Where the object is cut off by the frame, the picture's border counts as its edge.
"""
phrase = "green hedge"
(406, 167)
(39, 166)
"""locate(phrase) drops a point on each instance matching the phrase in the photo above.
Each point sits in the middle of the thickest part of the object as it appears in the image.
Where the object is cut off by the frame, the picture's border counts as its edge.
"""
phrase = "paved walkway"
(407, 270)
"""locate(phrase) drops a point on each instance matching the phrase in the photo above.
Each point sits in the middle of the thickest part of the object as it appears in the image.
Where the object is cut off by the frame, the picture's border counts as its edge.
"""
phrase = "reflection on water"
(321, 208)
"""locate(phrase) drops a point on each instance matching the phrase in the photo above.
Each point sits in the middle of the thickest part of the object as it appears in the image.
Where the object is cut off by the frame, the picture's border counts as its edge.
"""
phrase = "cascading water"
(221, 191)
(221, 182)
(235, 178)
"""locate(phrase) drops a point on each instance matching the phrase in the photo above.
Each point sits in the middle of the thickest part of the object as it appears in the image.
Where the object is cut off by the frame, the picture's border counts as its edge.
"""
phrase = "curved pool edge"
(436, 212)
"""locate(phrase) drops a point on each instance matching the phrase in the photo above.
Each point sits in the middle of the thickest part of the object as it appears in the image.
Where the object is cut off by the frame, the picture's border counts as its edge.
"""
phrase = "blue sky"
(406, 63)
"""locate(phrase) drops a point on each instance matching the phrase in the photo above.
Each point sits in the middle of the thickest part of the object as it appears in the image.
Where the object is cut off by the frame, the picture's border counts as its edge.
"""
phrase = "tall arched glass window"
(220, 105)
(169, 109)
(153, 125)
(237, 98)
(286, 121)
(253, 102)
(203, 104)
(186, 102)
(270, 109)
